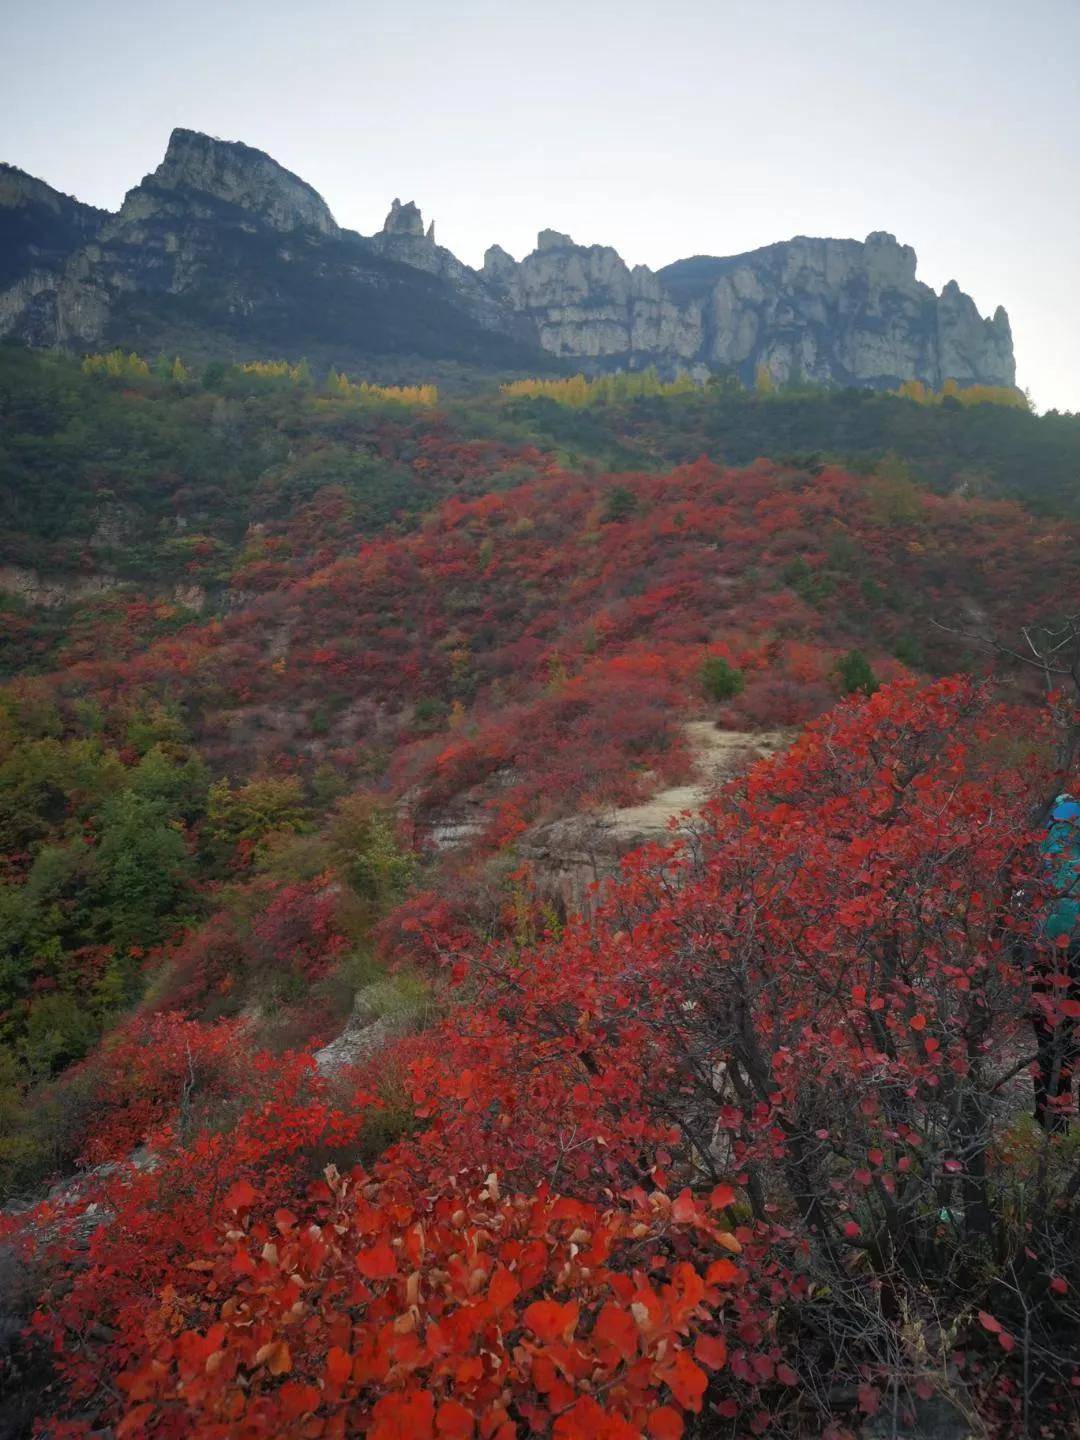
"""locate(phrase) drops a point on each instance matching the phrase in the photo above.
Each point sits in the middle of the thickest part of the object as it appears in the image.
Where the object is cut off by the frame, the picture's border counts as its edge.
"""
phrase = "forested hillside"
(321, 1111)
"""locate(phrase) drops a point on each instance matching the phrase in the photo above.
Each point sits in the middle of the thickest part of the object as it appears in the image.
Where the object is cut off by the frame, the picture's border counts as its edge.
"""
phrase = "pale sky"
(665, 129)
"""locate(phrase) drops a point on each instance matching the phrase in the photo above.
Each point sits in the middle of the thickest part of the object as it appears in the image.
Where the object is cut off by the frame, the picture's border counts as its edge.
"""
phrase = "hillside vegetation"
(750, 1150)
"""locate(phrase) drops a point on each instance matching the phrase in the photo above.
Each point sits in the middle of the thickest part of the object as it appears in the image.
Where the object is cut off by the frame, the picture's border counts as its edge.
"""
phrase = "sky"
(666, 128)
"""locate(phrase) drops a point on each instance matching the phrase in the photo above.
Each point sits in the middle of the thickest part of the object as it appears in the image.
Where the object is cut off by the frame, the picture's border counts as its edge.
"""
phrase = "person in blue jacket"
(1057, 951)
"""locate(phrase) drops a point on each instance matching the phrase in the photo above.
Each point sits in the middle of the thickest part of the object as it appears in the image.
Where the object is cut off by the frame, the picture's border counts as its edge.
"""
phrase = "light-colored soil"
(569, 856)
(718, 754)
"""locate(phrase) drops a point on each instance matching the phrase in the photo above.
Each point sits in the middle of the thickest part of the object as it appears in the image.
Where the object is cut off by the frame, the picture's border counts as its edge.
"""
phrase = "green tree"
(620, 504)
(143, 869)
(719, 680)
(178, 783)
(365, 850)
(855, 675)
(60, 1029)
(256, 810)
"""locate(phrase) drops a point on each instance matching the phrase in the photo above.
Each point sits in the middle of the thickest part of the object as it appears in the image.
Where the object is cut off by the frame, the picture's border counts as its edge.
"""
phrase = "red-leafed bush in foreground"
(812, 1018)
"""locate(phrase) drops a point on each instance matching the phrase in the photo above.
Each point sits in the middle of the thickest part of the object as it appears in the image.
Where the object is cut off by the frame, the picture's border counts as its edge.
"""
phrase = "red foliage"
(439, 1315)
(145, 1073)
(559, 619)
(825, 997)
(809, 1012)
(297, 933)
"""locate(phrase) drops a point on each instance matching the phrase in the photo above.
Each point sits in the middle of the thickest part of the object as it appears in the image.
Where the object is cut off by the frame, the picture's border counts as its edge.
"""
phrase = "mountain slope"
(314, 825)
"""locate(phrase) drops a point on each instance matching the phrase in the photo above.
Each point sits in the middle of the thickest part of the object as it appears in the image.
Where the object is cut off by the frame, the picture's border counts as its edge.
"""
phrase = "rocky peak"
(553, 240)
(837, 311)
(829, 310)
(499, 266)
(230, 171)
(19, 190)
(405, 220)
(887, 261)
(40, 229)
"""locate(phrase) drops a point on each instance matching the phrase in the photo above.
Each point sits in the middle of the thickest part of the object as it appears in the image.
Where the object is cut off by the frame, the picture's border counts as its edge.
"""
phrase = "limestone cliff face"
(403, 238)
(235, 174)
(222, 249)
(40, 230)
(165, 236)
(835, 311)
(587, 304)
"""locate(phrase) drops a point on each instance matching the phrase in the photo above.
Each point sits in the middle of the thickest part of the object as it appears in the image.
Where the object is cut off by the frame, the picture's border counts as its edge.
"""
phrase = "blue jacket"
(1060, 850)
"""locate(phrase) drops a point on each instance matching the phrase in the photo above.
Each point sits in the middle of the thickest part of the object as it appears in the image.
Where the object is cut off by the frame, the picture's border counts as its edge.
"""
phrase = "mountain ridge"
(222, 238)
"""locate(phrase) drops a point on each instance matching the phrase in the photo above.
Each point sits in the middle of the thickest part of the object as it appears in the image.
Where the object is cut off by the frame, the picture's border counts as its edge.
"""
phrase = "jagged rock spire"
(404, 219)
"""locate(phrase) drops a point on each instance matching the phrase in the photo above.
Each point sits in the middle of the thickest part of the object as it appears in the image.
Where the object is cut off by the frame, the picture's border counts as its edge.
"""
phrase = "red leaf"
(869, 1399)
(684, 1209)
(548, 1320)
(503, 1288)
(686, 1381)
(711, 1350)
(296, 1400)
(338, 1365)
(241, 1196)
(403, 1416)
(453, 1421)
(665, 1424)
(378, 1263)
(616, 1328)
(588, 1421)
(721, 1272)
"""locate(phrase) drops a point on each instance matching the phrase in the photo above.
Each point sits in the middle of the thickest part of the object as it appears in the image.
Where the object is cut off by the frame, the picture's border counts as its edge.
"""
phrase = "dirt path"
(569, 855)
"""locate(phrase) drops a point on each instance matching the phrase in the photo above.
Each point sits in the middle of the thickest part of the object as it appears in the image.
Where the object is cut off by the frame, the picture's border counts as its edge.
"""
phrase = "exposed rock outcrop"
(53, 591)
(586, 304)
(235, 174)
(403, 219)
(40, 231)
(224, 251)
(223, 246)
(39, 226)
(404, 238)
(834, 311)
(378, 1016)
(569, 856)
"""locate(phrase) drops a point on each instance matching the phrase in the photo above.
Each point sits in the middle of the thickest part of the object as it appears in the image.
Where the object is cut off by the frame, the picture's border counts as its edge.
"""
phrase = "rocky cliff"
(835, 311)
(404, 238)
(40, 231)
(198, 166)
(222, 250)
(39, 226)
